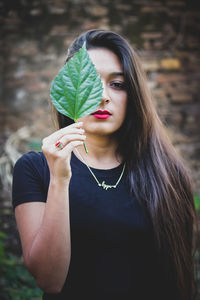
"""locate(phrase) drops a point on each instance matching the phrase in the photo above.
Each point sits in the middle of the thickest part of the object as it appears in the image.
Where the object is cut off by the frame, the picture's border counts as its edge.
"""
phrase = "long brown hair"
(155, 173)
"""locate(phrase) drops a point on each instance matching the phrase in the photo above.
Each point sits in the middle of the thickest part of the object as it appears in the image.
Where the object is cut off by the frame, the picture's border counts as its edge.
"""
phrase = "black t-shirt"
(113, 254)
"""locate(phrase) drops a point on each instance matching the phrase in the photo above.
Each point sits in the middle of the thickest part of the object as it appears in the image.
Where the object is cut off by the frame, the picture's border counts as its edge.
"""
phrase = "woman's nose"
(106, 97)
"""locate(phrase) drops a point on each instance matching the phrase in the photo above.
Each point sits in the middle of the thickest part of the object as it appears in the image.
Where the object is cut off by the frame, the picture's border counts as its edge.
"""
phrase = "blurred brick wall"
(34, 36)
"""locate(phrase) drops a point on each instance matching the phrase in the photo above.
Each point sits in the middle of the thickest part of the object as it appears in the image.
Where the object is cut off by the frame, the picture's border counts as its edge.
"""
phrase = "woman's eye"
(118, 85)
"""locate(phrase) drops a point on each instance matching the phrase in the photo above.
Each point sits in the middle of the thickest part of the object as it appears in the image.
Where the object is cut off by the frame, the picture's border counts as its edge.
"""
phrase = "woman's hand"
(59, 159)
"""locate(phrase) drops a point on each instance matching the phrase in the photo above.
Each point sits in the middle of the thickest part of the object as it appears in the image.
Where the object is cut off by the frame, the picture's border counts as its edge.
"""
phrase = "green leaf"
(77, 89)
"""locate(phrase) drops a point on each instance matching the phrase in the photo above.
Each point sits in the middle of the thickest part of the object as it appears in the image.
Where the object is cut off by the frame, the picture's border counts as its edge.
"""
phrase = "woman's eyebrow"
(117, 74)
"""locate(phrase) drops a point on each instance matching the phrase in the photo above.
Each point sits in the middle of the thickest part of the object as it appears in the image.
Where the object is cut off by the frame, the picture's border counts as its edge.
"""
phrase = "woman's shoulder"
(30, 178)
(32, 157)
(31, 161)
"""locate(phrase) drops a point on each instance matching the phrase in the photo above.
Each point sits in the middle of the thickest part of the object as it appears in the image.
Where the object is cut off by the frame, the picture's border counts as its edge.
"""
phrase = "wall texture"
(34, 36)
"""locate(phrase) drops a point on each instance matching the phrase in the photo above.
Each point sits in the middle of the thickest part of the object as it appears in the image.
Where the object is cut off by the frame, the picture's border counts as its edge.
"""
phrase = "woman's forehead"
(106, 61)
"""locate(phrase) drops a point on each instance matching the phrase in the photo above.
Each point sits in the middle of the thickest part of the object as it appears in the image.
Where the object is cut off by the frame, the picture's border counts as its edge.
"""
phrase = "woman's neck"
(101, 152)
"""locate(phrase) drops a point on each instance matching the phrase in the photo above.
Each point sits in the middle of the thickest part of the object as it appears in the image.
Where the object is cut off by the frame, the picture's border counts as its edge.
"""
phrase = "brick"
(159, 94)
(175, 13)
(49, 73)
(152, 35)
(59, 30)
(56, 10)
(30, 75)
(25, 48)
(90, 25)
(97, 11)
(170, 64)
(181, 97)
(176, 3)
(12, 84)
(35, 12)
(123, 7)
(150, 65)
(153, 9)
(3, 109)
(36, 87)
(167, 78)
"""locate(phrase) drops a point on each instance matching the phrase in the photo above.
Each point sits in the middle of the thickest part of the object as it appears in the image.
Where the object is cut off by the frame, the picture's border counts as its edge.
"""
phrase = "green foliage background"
(16, 283)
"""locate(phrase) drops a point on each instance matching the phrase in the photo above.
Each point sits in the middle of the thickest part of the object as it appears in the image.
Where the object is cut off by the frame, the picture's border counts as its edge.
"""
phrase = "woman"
(116, 223)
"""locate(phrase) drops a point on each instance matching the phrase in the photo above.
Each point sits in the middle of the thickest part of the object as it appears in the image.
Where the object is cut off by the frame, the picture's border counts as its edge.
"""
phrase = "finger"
(73, 128)
(73, 133)
(69, 147)
(70, 137)
(68, 129)
(74, 125)
(59, 145)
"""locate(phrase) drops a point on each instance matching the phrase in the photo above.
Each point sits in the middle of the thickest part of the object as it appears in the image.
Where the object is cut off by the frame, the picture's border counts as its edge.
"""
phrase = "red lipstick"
(101, 114)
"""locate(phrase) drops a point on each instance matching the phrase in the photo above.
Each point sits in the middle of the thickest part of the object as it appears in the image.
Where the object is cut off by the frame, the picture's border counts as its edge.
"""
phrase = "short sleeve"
(30, 179)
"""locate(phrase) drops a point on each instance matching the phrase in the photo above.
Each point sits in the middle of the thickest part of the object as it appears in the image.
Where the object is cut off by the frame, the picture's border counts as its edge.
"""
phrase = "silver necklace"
(103, 184)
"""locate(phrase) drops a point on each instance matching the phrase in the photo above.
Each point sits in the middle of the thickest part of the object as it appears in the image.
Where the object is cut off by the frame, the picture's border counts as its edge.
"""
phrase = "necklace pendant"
(106, 186)
(103, 184)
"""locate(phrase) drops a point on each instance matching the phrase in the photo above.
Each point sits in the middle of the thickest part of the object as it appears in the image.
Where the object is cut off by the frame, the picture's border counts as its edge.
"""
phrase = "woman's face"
(112, 109)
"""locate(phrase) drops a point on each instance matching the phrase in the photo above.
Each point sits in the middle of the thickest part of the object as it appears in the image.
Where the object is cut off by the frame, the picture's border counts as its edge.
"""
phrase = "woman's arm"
(45, 235)
(44, 228)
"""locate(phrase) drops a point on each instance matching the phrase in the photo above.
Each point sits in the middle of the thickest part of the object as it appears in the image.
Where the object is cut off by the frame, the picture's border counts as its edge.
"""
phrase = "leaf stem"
(85, 147)
(86, 150)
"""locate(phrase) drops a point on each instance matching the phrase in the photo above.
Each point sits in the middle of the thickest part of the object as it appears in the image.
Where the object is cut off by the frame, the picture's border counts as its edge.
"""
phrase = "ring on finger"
(59, 145)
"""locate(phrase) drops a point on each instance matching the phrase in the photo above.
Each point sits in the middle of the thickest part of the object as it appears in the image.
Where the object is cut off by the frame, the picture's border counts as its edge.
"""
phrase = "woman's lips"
(98, 116)
(101, 114)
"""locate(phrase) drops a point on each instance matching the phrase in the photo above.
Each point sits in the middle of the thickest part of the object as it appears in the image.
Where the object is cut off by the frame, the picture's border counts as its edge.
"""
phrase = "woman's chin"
(100, 132)
(101, 127)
